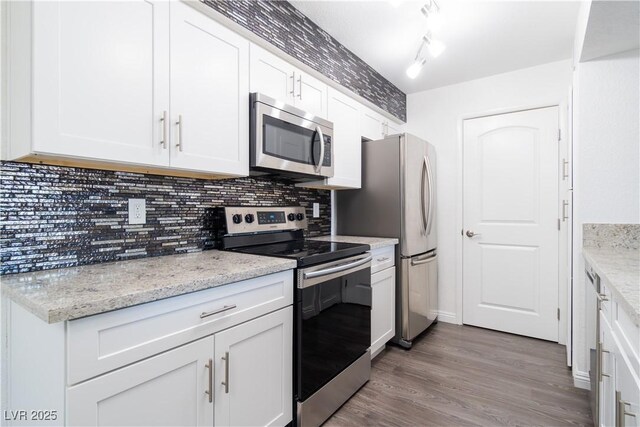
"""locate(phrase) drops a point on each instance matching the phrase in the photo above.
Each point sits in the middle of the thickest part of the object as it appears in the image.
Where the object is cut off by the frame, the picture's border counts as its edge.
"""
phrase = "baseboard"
(447, 317)
(581, 380)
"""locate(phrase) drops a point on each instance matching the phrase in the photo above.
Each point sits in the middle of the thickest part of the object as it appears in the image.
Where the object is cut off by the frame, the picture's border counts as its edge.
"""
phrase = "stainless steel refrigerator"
(398, 199)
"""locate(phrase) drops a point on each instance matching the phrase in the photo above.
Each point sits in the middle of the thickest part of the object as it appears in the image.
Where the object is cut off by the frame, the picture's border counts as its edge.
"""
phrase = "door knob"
(471, 234)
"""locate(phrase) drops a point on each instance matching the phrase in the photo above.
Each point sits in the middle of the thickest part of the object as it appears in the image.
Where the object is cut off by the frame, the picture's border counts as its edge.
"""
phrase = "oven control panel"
(242, 220)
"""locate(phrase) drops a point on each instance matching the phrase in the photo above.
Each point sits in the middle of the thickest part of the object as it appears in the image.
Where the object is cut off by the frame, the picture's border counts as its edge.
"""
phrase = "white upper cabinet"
(150, 85)
(275, 77)
(375, 126)
(100, 79)
(209, 94)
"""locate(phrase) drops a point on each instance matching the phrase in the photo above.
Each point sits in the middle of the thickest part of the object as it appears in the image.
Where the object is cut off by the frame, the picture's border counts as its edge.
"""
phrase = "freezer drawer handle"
(422, 261)
(337, 269)
(220, 310)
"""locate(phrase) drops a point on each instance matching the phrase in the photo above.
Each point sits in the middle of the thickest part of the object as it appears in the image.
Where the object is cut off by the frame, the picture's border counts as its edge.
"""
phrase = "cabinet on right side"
(383, 298)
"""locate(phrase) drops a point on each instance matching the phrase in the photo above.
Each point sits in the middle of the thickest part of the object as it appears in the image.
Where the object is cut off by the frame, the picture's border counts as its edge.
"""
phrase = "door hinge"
(558, 313)
(559, 135)
(559, 224)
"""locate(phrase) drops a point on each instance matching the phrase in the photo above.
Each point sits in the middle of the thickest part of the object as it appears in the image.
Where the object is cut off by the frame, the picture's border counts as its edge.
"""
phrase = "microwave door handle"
(319, 165)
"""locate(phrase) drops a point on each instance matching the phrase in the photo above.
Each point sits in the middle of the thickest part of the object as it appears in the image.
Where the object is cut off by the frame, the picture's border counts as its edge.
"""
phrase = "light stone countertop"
(71, 293)
(619, 269)
(374, 242)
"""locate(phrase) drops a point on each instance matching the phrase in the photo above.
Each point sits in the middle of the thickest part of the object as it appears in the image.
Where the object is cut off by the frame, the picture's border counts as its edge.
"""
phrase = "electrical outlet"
(316, 210)
(137, 211)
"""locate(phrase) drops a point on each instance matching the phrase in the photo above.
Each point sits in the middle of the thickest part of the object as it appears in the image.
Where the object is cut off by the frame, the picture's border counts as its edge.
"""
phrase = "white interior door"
(510, 264)
(209, 94)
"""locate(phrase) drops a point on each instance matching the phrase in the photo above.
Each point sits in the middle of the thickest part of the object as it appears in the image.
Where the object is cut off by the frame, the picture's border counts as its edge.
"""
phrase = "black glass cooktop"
(307, 252)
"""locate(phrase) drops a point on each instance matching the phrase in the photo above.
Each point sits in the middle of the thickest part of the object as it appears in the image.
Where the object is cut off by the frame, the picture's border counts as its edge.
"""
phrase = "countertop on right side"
(613, 251)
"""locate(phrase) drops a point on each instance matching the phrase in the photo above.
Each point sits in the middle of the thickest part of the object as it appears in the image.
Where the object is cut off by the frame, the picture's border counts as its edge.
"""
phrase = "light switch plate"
(137, 211)
(316, 210)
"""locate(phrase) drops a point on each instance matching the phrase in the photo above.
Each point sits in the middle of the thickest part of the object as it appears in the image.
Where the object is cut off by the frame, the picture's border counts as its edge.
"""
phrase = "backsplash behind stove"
(52, 217)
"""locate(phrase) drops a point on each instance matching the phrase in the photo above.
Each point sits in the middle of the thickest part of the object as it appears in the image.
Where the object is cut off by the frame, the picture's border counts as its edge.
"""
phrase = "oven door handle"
(337, 269)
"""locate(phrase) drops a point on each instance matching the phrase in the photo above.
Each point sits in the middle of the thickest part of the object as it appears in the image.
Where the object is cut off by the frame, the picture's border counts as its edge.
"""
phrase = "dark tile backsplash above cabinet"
(52, 217)
(290, 30)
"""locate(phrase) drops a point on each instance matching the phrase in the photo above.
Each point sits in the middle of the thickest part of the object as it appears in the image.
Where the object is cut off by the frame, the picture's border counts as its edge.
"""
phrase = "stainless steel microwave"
(287, 141)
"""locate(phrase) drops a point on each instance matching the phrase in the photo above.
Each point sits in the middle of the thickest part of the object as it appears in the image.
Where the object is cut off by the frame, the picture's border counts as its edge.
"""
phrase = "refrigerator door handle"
(427, 162)
(423, 177)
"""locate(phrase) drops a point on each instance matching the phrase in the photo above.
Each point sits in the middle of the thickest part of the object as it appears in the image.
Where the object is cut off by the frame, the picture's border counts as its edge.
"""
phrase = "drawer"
(101, 343)
(383, 258)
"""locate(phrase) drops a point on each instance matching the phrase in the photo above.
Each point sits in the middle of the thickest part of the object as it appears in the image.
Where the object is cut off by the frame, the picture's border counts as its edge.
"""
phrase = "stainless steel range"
(332, 303)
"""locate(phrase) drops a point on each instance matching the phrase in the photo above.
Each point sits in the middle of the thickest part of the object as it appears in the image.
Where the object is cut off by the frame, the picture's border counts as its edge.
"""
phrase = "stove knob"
(300, 217)
(291, 217)
(248, 218)
(237, 218)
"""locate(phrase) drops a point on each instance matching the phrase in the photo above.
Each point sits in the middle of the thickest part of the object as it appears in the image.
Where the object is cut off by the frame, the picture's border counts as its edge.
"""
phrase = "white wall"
(436, 115)
(606, 161)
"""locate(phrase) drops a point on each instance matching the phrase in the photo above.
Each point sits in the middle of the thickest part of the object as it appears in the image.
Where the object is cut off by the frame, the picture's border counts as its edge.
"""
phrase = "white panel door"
(209, 94)
(271, 75)
(101, 80)
(347, 142)
(310, 95)
(383, 308)
(253, 385)
(164, 390)
(510, 277)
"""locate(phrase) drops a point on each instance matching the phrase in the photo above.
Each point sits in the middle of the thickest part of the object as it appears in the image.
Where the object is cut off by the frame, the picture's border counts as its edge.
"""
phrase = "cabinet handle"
(565, 206)
(603, 297)
(622, 410)
(602, 374)
(225, 383)
(382, 259)
(219, 310)
(300, 87)
(179, 123)
(293, 84)
(165, 123)
(565, 169)
(209, 366)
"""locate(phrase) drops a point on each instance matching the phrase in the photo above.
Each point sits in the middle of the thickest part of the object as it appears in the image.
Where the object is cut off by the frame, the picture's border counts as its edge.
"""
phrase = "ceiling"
(483, 38)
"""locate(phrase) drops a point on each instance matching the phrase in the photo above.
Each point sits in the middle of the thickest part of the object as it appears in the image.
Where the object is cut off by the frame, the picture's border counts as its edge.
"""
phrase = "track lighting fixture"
(431, 11)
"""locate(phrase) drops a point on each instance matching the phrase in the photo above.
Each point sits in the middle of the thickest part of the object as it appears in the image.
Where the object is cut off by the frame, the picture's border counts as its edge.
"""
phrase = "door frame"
(564, 284)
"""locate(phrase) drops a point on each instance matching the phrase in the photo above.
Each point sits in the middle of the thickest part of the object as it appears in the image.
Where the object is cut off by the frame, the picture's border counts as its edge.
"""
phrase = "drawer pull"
(209, 366)
(382, 259)
(225, 383)
(220, 310)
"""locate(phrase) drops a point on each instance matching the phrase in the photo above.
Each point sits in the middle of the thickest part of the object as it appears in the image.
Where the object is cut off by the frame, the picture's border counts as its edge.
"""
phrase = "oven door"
(333, 320)
(290, 143)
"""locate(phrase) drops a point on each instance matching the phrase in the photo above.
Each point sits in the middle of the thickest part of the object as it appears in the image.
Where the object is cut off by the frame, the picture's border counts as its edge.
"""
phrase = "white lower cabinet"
(618, 385)
(253, 385)
(383, 312)
(164, 390)
(383, 298)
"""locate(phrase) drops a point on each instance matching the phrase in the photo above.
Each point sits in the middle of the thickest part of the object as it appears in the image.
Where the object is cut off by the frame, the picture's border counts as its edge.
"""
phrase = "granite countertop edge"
(373, 242)
(591, 255)
(89, 307)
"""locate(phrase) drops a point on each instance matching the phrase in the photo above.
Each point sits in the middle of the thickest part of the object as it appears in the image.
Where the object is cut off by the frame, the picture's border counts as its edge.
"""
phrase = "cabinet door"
(164, 390)
(627, 392)
(383, 308)
(347, 143)
(209, 94)
(271, 75)
(371, 124)
(607, 380)
(253, 373)
(101, 80)
(310, 94)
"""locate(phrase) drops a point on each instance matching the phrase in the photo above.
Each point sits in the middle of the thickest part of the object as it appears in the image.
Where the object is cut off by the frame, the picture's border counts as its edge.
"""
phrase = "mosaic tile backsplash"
(287, 28)
(53, 217)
